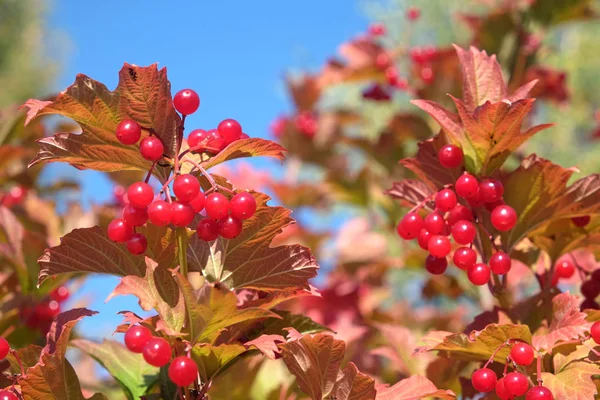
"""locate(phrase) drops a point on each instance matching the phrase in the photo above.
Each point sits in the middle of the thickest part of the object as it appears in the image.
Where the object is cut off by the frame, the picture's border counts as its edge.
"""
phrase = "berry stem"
(14, 353)
(182, 240)
(215, 185)
(491, 360)
(422, 203)
(179, 142)
(150, 171)
(539, 369)
(165, 187)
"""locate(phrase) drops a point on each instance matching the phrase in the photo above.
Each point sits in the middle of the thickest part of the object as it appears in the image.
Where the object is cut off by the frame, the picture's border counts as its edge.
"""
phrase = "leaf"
(426, 164)
(11, 246)
(129, 369)
(143, 94)
(247, 261)
(562, 236)
(573, 382)
(414, 388)
(410, 190)
(551, 12)
(568, 323)
(54, 377)
(252, 147)
(353, 385)
(156, 290)
(301, 323)
(212, 359)
(266, 344)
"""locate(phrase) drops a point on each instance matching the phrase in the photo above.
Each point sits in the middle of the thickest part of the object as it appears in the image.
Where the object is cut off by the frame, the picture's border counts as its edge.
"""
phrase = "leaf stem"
(179, 142)
(182, 240)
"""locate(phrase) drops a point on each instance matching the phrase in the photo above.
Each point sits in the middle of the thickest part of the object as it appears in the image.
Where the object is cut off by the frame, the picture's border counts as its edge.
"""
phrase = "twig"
(150, 171)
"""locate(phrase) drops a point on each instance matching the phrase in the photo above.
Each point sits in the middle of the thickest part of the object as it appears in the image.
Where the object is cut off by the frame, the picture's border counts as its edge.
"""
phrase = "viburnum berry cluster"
(223, 213)
(39, 315)
(458, 212)
(13, 196)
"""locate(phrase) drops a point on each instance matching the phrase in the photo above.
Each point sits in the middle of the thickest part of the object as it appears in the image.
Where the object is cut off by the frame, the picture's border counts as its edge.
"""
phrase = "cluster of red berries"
(4, 350)
(40, 316)
(157, 352)
(13, 196)
(458, 220)
(423, 58)
(306, 122)
(512, 384)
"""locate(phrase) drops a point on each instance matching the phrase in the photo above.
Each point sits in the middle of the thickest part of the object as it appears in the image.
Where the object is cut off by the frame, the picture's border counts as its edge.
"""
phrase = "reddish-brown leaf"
(266, 344)
(414, 388)
(426, 164)
(411, 191)
(253, 147)
(213, 359)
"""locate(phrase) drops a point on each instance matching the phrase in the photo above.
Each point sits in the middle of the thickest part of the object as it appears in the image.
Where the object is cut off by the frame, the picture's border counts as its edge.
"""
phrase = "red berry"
(522, 354)
(423, 238)
(307, 122)
(137, 337)
(6, 395)
(435, 265)
(151, 148)
(464, 258)
(581, 221)
(198, 202)
(427, 75)
(539, 393)
(215, 142)
(230, 227)
(391, 75)
(119, 230)
(439, 246)
(451, 156)
(186, 101)
(595, 331)
(182, 214)
(492, 206)
(435, 224)
(377, 29)
(596, 275)
(500, 263)
(183, 371)
(157, 352)
(242, 205)
(135, 216)
(491, 190)
(160, 213)
(382, 61)
(208, 229)
(466, 186)
(60, 294)
(244, 136)
(463, 232)
(484, 380)
(4, 348)
(230, 130)
(140, 194)
(504, 218)
(475, 201)
(186, 187)
(128, 132)
(47, 310)
(137, 244)
(501, 390)
(516, 383)
(478, 274)
(14, 196)
(445, 200)
(413, 13)
(119, 195)
(590, 289)
(216, 205)
(564, 269)
(460, 212)
(196, 137)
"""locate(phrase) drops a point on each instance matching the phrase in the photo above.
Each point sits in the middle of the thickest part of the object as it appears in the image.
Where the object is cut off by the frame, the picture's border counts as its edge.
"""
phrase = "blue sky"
(233, 53)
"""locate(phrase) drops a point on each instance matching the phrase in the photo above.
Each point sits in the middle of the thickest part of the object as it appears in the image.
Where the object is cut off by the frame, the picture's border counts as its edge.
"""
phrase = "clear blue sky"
(233, 53)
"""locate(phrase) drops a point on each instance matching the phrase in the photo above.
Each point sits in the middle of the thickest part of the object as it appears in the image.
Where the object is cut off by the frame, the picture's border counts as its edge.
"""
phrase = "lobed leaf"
(573, 382)
(213, 359)
(410, 190)
(414, 388)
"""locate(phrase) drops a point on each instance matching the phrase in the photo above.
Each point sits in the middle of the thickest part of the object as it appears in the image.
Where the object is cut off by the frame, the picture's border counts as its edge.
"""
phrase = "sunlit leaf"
(414, 388)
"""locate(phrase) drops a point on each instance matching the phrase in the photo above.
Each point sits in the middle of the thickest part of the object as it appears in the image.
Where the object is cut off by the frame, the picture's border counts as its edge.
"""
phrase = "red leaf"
(267, 344)
(410, 190)
(426, 164)
(414, 388)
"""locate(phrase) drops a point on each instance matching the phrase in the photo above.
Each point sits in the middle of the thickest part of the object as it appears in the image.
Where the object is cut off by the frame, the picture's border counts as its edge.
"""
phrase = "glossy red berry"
(581, 221)
(182, 214)
(491, 190)
(197, 202)
(445, 200)
(564, 269)
(151, 148)
(590, 289)
(208, 229)
(196, 137)
(215, 142)
(244, 136)
(595, 331)
(516, 383)
(47, 310)
(128, 132)
(435, 224)
(135, 216)
(522, 354)
(216, 205)
(377, 29)
(463, 232)
(242, 205)
(15, 195)
(230, 130)
(451, 156)
(183, 371)
(60, 294)
(7, 395)
(137, 244)
(137, 337)
(186, 101)
(4, 348)
(492, 206)
(140, 194)
(500, 263)
(475, 201)
(479, 274)
(186, 187)
(413, 13)
(230, 227)
(119, 230)
(504, 218)
(423, 238)
(501, 390)
(539, 393)
(436, 265)
(464, 258)
(484, 380)
(439, 246)
(160, 213)
(467, 186)
(460, 212)
(157, 352)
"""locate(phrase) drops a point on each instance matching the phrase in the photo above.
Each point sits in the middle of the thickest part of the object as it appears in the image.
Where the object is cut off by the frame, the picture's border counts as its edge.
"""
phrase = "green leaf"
(129, 369)
(213, 359)
(563, 236)
(301, 323)
(247, 261)
(550, 12)
(414, 388)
